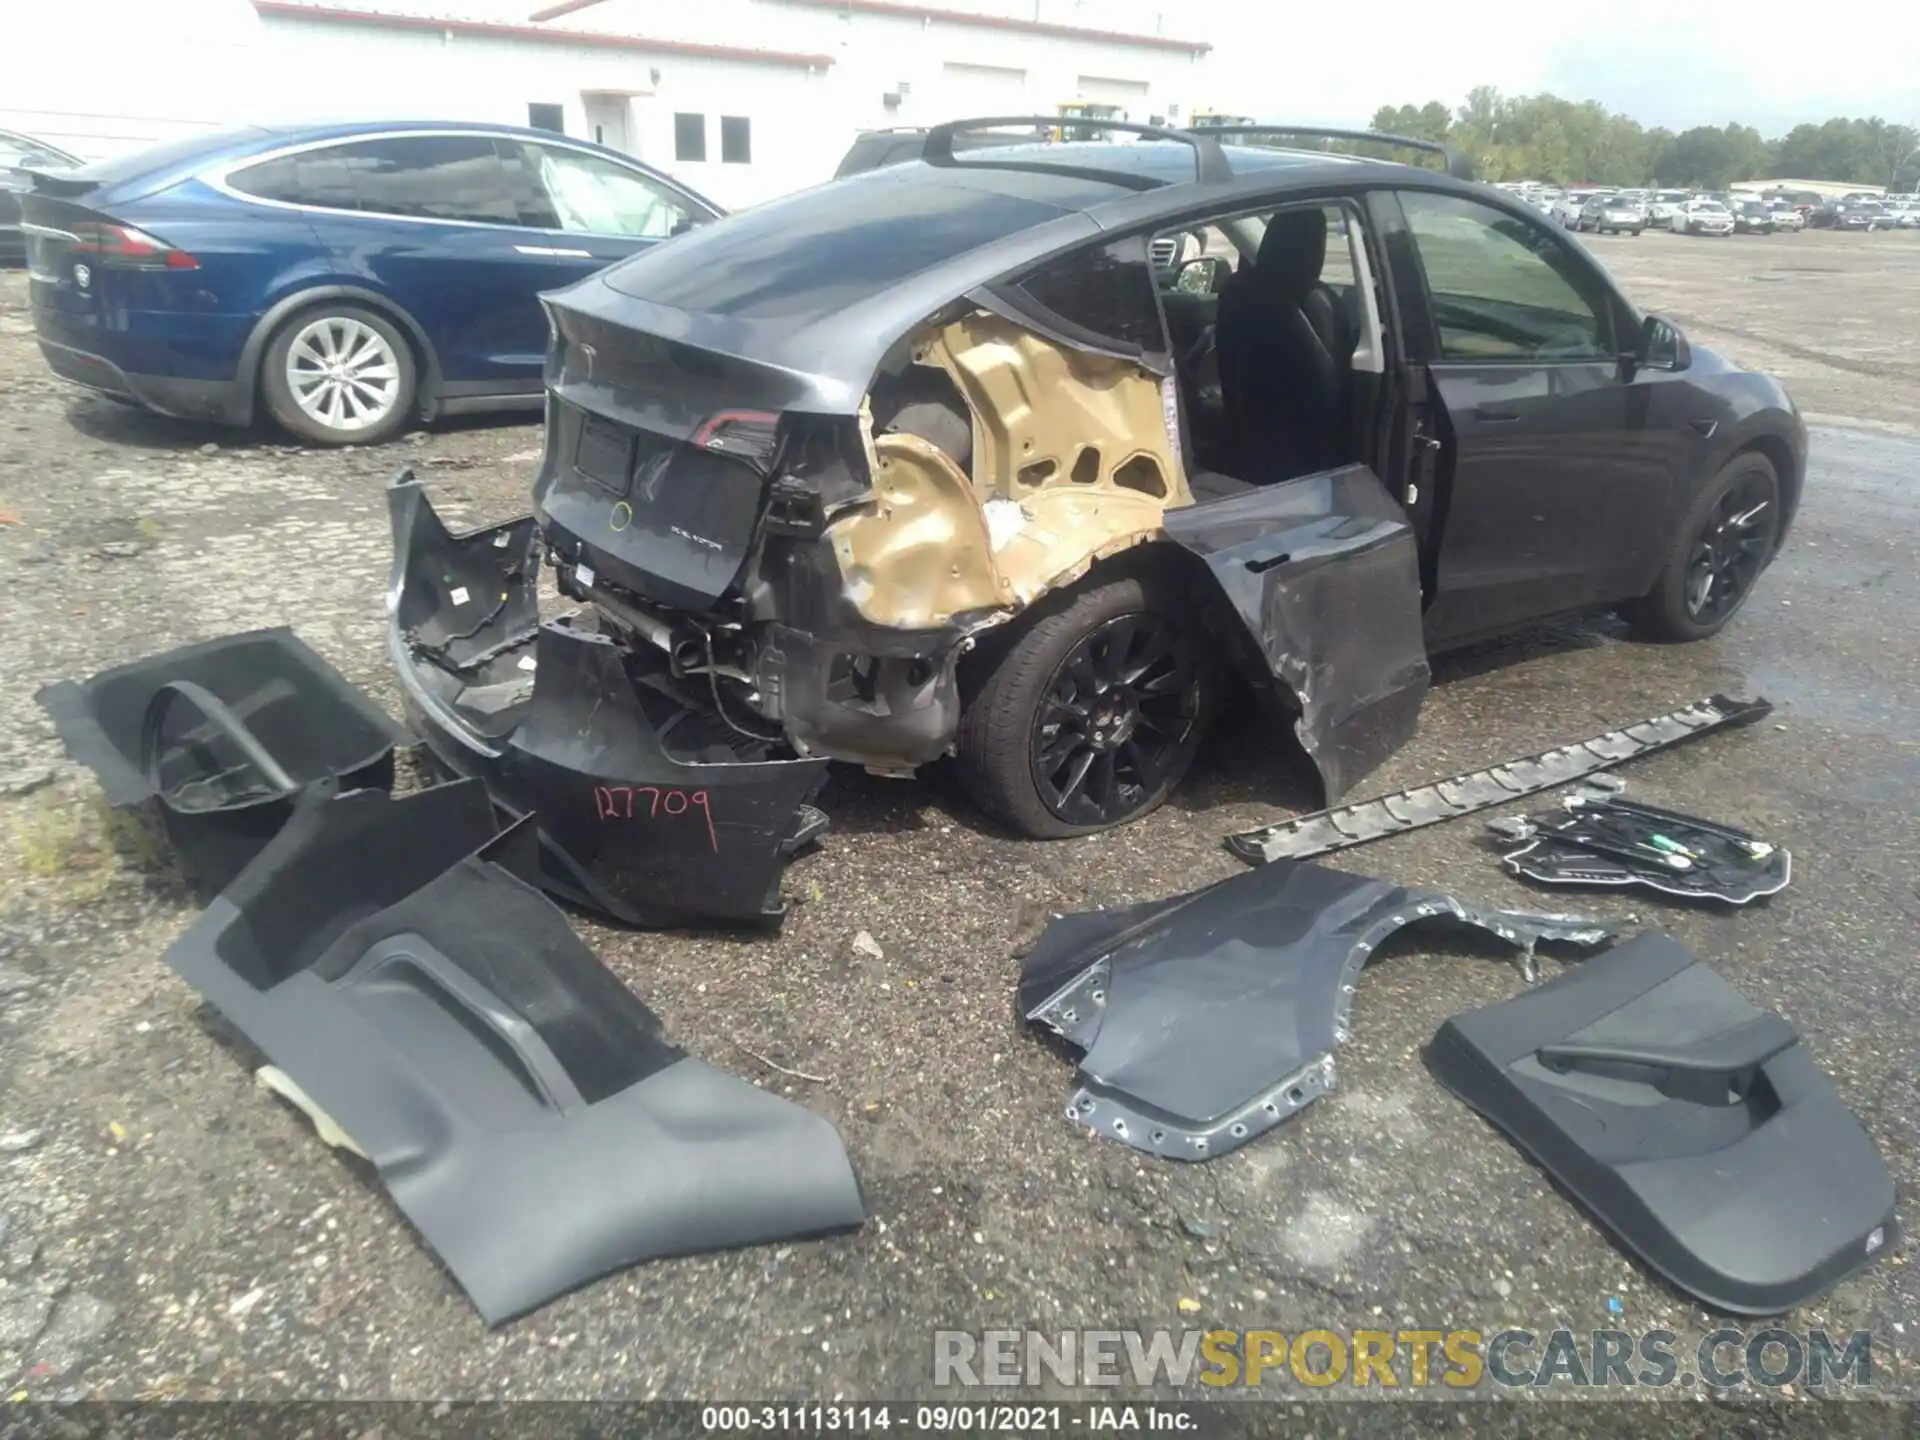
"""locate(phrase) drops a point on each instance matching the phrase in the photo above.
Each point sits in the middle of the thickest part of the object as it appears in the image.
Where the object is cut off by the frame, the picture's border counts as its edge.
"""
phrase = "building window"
(547, 117)
(689, 137)
(736, 140)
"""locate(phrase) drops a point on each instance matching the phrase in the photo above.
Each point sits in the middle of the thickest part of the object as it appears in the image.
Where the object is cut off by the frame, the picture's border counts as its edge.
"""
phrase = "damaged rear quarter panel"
(1072, 462)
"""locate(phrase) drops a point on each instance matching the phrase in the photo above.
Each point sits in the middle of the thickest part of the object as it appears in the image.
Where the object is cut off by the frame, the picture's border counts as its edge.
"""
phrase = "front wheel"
(339, 375)
(1726, 540)
(1091, 713)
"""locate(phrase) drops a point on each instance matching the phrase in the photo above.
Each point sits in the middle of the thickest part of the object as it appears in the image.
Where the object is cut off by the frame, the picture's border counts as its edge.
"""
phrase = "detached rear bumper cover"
(1207, 1019)
(1692, 1125)
(519, 1102)
(649, 808)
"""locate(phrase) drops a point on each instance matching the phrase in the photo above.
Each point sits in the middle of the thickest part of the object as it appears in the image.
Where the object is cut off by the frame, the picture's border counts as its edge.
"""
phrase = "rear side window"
(416, 177)
(313, 177)
(1105, 292)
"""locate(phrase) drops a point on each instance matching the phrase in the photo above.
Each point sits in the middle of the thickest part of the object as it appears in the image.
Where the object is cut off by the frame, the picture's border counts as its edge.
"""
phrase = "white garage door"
(984, 89)
(1129, 95)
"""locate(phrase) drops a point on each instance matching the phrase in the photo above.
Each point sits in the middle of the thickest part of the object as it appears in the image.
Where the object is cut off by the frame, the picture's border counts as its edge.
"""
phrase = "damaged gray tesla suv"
(1019, 454)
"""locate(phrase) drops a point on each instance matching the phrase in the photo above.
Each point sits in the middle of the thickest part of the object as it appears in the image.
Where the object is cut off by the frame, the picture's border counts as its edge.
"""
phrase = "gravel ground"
(167, 1231)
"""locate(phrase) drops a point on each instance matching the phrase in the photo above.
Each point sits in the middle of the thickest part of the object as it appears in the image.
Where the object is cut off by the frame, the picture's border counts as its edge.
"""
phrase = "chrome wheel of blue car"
(339, 375)
(343, 373)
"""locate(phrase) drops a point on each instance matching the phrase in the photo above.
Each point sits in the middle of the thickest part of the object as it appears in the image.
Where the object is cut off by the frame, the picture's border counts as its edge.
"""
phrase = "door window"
(1505, 288)
(594, 196)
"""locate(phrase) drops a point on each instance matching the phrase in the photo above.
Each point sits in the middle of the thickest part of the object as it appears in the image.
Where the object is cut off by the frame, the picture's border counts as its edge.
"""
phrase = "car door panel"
(1553, 487)
(1556, 480)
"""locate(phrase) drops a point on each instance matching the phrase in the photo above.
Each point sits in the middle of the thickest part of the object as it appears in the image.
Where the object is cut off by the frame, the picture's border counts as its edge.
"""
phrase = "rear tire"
(1113, 680)
(339, 374)
(1671, 611)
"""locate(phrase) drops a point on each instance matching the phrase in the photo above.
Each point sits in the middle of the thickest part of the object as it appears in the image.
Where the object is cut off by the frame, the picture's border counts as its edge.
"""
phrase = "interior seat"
(1285, 346)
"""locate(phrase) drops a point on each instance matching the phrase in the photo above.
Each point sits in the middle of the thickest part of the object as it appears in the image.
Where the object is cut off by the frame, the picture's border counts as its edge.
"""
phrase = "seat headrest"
(1293, 251)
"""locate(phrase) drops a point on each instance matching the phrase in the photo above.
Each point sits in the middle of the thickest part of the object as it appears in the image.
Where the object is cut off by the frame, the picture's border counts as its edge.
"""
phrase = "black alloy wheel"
(1731, 548)
(1117, 715)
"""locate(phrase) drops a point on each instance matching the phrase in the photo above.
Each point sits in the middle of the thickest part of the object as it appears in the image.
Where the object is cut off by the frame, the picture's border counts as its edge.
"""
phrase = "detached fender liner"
(1690, 1123)
(1207, 1019)
(220, 737)
(1324, 575)
(649, 807)
(521, 1105)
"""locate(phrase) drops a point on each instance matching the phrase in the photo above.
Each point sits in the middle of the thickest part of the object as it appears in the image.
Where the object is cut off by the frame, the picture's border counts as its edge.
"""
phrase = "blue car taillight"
(125, 247)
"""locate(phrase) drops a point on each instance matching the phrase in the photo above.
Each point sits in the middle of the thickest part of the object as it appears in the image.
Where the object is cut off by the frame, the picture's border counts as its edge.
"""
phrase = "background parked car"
(1567, 208)
(1753, 217)
(1787, 218)
(1664, 205)
(1611, 214)
(1701, 216)
(17, 153)
(1848, 215)
(345, 277)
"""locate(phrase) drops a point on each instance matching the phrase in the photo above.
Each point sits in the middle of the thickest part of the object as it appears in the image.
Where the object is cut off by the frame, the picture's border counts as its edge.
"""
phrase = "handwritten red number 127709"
(617, 802)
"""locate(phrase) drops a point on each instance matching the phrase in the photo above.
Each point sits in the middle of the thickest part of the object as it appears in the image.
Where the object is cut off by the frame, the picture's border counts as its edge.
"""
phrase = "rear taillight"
(748, 435)
(122, 245)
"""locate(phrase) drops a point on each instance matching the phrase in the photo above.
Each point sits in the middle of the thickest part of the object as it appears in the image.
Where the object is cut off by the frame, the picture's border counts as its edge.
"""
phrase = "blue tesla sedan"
(342, 279)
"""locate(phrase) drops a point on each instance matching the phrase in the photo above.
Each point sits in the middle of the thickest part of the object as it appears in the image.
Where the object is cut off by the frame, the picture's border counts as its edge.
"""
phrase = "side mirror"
(1662, 345)
(1202, 275)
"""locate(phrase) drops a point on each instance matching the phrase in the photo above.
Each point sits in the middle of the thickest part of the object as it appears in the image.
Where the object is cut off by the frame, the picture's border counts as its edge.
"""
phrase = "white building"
(742, 99)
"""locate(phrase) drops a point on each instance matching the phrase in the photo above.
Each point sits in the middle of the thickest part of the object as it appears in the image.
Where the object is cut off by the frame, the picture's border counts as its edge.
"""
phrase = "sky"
(1764, 63)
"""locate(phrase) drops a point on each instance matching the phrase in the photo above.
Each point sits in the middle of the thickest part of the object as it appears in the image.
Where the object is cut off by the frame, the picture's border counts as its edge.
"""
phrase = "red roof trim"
(291, 10)
(1008, 22)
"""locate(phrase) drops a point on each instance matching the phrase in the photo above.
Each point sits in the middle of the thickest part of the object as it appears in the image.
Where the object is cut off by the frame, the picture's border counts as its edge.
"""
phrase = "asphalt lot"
(168, 1231)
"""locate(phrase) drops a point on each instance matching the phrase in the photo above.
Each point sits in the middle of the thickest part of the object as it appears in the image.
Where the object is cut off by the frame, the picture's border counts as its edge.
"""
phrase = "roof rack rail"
(1458, 165)
(1210, 162)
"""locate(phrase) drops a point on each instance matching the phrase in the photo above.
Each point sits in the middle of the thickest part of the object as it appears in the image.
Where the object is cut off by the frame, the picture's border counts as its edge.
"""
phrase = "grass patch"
(78, 845)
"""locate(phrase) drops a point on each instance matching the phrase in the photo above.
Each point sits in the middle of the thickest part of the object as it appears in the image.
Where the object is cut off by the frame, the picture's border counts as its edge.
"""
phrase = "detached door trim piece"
(522, 1106)
(1687, 1121)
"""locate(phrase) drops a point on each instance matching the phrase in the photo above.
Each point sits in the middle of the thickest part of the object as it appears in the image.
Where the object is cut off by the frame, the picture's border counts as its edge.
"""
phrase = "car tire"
(339, 374)
(1636, 233)
(1666, 613)
(1015, 683)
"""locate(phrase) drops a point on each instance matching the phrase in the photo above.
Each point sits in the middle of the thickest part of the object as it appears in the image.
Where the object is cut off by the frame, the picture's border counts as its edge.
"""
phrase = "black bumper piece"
(224, 402)
(650, 808)
(520, 1104)
(220, 737)
(1690, 1123)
